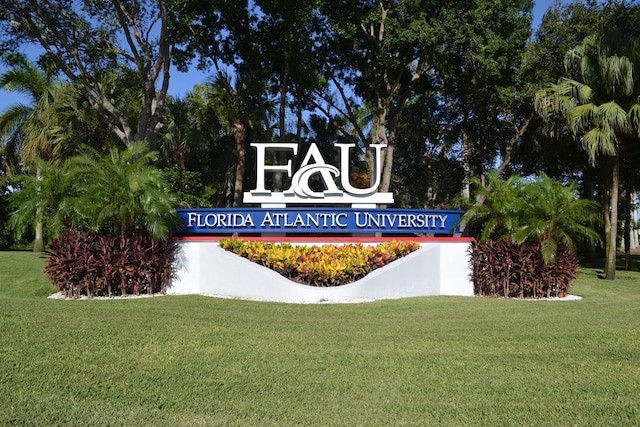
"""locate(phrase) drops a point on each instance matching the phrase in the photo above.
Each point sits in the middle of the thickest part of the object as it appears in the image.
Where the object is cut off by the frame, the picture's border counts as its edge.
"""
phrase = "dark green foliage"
(48, 196)
(541, 210)
(124, 194)
(530, 231)
(188, 187)
(6, 234)
(426, 172)
(505, 269)
(83, 263)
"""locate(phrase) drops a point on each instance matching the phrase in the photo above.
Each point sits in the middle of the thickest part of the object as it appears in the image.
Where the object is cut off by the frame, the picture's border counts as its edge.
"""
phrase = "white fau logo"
(312, 164)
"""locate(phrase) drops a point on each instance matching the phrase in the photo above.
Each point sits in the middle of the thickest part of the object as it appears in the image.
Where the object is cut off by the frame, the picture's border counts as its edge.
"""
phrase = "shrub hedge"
(506, 269)
(84, 263)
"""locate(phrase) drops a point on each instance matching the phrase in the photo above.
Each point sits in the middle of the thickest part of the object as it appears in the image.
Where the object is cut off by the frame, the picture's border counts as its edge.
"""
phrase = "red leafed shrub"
(505, 269)
(327, 265)
(83, 263)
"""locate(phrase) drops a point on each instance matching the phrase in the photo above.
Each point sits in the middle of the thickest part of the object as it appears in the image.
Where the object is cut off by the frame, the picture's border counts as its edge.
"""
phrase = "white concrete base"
(438, 268)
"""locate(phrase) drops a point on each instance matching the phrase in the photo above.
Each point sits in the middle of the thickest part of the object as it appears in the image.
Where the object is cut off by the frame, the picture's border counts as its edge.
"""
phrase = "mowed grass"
(195, 360)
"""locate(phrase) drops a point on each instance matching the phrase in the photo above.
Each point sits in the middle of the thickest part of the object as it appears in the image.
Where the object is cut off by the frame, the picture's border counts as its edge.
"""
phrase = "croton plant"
(326, 265)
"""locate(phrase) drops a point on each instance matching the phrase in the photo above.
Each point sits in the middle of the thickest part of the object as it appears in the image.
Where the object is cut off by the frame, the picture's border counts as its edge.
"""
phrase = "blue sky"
(181, 83)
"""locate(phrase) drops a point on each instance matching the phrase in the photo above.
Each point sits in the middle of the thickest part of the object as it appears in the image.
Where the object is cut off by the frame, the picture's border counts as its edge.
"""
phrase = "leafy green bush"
(539, 210)
(119, 193)
(84, 263)
(529, 236)
(327, 265)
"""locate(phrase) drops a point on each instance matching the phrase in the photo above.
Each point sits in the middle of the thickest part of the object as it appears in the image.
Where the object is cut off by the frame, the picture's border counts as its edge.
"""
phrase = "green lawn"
(193, 360)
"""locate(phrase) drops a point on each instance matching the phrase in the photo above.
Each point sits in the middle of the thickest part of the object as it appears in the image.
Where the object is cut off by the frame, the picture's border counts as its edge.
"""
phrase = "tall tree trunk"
(299, 113)
(589, 191)
(385, 134)
(611, 220)
(278, 181)
(390, 120)
(466, 153)
(38, 243)
(387, 168)
(466, 165)
(627, 224)
(634, 220)
(240, 134)
(380, 137)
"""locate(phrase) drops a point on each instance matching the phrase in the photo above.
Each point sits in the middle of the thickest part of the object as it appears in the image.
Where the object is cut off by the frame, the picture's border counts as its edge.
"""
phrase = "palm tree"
(554, 214)
(117, 194)
(208, 143)
(174, 139)
(499, 214)
(223, 112)
(541, 210)
(123, 194)
(47, 198)
(24, 135)
(602, 111)
(19, 123)
(239, 114)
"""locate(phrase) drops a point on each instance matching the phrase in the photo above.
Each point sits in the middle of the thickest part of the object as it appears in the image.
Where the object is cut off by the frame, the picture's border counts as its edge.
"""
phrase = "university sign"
(318, 205)
(275, 215)
(314, 164)
(318, 220)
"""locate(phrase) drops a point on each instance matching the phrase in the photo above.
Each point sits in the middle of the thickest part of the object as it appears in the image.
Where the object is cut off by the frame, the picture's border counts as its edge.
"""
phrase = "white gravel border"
(60, 296)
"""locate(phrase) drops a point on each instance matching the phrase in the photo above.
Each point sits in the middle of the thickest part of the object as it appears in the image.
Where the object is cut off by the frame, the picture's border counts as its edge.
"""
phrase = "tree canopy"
(90, 40)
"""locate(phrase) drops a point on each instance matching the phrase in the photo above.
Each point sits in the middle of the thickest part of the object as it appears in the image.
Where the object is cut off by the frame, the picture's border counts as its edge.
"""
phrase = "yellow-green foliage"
(327, 265)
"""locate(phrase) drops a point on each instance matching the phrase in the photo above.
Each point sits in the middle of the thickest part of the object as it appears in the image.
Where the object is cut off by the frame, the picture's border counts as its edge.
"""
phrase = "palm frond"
(599, 141)
(549, 249)
(581, 117)
(617, 72)
(580, 92)
(124, 193)
(634, 117)
(611, 114)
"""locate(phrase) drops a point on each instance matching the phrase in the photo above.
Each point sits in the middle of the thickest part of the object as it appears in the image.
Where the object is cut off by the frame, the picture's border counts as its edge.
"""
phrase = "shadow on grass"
(598, 264)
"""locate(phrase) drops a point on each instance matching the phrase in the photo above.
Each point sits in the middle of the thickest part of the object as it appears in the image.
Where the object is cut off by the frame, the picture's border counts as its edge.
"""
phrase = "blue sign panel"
(316, 220)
